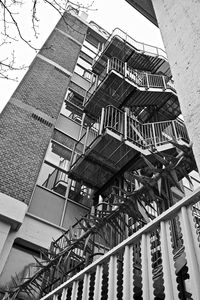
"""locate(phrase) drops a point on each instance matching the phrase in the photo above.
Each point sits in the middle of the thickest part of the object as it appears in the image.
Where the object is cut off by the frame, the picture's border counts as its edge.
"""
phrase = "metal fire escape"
(133, 154)
(132, 107)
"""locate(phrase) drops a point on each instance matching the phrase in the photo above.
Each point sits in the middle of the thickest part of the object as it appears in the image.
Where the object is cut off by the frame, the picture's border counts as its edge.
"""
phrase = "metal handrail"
(143, 135)
(139, 247)
(141, 79)
(139, 46)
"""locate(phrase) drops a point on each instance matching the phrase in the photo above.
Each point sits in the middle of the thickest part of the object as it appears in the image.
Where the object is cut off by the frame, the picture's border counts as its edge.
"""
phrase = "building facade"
(93, 150)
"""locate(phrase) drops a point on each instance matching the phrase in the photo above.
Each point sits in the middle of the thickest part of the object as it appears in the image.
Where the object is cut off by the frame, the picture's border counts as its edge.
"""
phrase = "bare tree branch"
(13, 30)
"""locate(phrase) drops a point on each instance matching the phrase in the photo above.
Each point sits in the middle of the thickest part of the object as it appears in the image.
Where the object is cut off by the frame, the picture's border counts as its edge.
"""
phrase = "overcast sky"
(109, 14)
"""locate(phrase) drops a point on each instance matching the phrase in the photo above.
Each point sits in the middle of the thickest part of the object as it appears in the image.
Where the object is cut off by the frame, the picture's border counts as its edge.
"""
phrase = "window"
(20, 264)
(91, 42)
(82, 72)
(88, 51)
(53, 174)
(83, 63)
(83, 68)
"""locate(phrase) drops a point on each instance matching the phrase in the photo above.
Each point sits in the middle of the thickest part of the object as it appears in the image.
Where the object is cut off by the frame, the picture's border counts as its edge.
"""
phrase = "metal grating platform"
(105, 157)
(117, 91)
(136, 58)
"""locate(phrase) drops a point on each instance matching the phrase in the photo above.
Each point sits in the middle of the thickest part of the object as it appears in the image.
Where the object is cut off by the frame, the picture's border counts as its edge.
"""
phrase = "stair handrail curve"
(139, 46)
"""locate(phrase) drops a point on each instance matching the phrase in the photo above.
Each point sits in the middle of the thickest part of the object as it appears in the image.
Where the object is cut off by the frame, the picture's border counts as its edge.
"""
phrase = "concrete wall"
(37, 231)
(33, 234)
(180, 28)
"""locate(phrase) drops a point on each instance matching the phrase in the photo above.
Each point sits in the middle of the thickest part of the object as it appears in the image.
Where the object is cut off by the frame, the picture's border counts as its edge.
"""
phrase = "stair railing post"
(102, 121)
(174, 129)
(164, 83)
(125, 69)
(157, 51)
(154, 135)
(143, 47)
(108, 65)
(147, 78)
(125, 124)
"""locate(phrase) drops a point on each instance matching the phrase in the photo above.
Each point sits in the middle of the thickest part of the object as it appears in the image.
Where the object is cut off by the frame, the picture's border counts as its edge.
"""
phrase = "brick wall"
(25, 123)
(43, 87)
(72, 26)
(23, 144)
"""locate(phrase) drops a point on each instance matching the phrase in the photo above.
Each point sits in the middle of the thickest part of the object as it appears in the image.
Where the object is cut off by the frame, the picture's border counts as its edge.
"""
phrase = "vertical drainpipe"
(81, 127)
(86, 139)
(66, 198)
(68, 168)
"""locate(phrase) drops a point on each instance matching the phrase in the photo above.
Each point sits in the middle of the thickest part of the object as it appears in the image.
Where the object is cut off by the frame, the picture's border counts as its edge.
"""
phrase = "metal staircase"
(118, 140)
(121, 85)
(139, 55)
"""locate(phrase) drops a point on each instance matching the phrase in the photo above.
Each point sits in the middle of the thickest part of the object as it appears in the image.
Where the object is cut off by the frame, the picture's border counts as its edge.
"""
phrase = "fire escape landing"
(121, 85)
(119, 139)
(139, 55)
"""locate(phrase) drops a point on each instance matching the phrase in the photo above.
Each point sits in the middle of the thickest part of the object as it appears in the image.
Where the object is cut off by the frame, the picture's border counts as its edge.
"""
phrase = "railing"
(145, 136)
(141, 47)
(141, 79)
(127, 271)
(155, 134)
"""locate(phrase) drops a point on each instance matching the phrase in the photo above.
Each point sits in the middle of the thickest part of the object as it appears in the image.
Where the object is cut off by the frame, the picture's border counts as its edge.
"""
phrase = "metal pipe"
(174, 128)
(81, 127)
(102, 120)
(86, 138)
(164, 83)
(125, 125)
(108, 66)
(125, 69)
(154, 135)
(147, 78)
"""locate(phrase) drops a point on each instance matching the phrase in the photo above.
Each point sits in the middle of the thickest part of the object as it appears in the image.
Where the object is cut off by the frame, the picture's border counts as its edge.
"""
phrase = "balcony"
(121, 85)
(119, 139)
(138, 55)
(146, 265)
